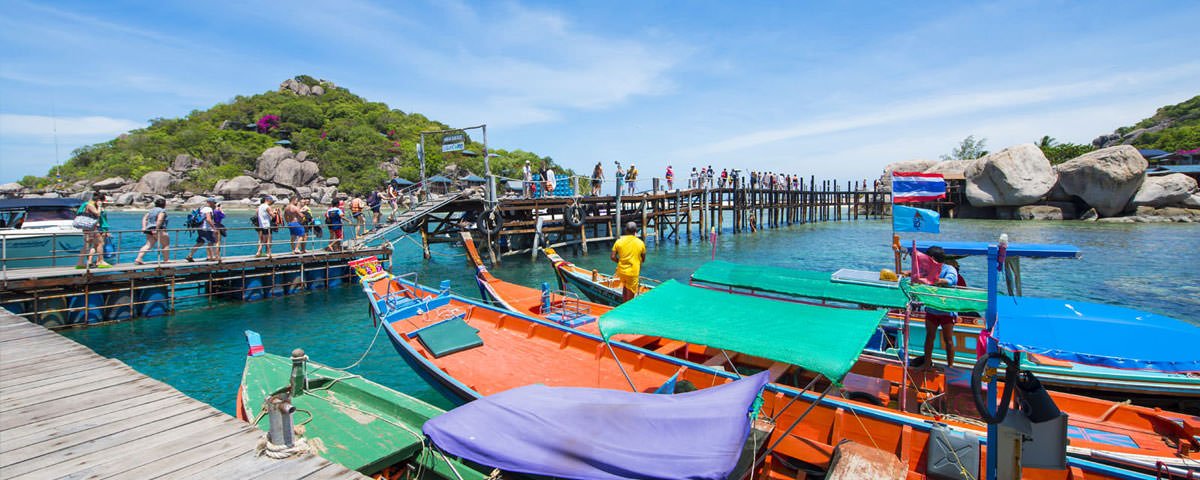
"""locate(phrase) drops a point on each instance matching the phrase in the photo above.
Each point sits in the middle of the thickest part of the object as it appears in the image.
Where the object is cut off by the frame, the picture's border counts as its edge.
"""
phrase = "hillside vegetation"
(1171, 128)
(348, 136)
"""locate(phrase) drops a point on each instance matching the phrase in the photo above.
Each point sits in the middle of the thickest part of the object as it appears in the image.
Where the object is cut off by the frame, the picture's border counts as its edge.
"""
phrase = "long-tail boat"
(531, 430)
(597, 287)
(347, 419)
(470, 349)
(1171, 380)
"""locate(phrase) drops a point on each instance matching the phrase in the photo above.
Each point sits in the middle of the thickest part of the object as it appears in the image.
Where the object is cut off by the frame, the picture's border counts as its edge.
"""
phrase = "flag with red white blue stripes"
(917, 187)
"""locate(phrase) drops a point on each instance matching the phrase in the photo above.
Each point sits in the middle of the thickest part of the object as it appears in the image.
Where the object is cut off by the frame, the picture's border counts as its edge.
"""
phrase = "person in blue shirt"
(935, 319)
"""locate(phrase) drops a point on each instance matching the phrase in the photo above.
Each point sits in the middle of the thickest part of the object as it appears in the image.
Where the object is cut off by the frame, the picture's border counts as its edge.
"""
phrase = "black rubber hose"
(1010, 382)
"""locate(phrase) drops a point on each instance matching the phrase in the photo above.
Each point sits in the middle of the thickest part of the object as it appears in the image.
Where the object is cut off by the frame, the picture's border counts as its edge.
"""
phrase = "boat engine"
(1033, 435)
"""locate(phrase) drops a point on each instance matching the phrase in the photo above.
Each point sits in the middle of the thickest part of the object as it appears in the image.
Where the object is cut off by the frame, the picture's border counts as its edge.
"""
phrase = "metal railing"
(128, 244)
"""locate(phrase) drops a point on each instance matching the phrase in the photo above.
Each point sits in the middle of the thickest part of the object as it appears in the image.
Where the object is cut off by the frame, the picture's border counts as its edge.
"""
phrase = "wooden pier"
(526, 224)
(67, 412)
(58, 297)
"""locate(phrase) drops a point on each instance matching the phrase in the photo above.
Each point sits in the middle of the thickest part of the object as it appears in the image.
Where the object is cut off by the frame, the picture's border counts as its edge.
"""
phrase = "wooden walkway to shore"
(67, 412)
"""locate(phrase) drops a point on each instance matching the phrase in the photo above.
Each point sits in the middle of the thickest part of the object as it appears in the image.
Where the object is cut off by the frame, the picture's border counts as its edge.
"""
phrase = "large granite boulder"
(885, 181)
(1193, 201)
(950, 167)
(1105, 179)
(1057, 211)
(184, 163)
(11, 188)
(280, 165)
(1012, 177)
(156, 183)
(126, 199)
(1160, 191)
(333, 181)
(242, 186)
(110, 183)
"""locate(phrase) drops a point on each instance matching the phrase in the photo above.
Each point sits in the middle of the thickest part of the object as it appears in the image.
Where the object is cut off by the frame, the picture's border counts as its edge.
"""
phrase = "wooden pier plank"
(66, 412)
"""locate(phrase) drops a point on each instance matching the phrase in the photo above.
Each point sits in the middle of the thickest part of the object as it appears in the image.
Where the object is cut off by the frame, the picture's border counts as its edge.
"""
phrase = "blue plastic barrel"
(117, 304)
(95, 308)
(152, 302)
(314, 279)
(54, 312)
(287, 284)
(256, 288)
(337, 275)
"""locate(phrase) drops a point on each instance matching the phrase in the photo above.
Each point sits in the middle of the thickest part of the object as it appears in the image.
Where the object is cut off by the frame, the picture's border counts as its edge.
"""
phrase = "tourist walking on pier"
(357, 205)
(597, 179)
(333, 219)
(629, 252)
(93, 236)
(670, 178)
(392, 197)
(293, 218)
(265, 218)
(620, 176)
(631, 178)
(375, 202)
(206, 235)
(693, 179)
(154, 225)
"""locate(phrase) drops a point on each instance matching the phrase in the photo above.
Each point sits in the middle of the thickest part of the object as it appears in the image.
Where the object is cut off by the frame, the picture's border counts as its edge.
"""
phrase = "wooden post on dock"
(644, 224)
(424, 241)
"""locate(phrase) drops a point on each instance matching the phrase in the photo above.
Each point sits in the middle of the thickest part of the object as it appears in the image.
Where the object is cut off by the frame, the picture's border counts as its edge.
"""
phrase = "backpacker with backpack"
(195, 219)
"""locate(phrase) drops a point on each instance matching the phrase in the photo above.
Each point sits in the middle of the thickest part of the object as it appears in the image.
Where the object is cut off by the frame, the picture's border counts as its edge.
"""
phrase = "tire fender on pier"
(491, 222)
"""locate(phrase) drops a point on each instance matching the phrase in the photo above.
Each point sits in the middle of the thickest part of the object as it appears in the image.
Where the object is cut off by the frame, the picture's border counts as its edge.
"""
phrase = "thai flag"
(917, 187)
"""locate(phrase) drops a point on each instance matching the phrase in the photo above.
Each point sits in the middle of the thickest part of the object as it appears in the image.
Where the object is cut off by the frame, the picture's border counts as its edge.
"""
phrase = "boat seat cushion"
(448, 337)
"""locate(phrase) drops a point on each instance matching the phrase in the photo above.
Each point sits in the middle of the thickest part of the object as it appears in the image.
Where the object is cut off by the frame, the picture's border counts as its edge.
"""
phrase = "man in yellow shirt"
(629, 252)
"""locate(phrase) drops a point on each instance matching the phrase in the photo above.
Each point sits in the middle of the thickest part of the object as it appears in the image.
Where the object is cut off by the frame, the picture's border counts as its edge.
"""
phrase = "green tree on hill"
(968, 149)
(348, 136)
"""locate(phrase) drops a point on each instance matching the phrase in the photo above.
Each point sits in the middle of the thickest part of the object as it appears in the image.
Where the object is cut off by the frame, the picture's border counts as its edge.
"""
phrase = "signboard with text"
(455, 142)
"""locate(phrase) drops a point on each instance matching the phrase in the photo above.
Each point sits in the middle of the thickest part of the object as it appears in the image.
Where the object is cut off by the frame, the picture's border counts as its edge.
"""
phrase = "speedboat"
(38, 232)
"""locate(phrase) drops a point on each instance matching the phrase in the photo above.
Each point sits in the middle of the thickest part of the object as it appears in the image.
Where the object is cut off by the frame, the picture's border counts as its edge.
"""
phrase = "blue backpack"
(195, 219)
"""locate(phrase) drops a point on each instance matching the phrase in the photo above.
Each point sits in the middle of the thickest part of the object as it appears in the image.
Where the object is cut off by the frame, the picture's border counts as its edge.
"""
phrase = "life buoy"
(573, 215)
(1010, 380)
(490, 222)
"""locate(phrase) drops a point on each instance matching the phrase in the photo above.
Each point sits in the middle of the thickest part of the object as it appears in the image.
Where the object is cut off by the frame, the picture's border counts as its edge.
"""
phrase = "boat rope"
(278, 452)
(864, 428)
(378, 328)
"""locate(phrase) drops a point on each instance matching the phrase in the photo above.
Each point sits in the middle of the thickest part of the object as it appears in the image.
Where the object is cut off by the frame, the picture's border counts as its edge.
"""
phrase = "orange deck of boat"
(519, 352)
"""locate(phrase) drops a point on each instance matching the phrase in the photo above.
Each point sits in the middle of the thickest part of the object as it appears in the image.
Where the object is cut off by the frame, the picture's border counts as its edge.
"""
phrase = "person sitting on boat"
(935, 319)
(629, 252)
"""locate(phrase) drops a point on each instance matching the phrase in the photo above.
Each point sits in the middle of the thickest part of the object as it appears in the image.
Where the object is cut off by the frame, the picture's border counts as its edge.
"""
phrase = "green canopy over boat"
(959, 300)
(822, 286)
(797, 283)
(354, 422)
(821, 339)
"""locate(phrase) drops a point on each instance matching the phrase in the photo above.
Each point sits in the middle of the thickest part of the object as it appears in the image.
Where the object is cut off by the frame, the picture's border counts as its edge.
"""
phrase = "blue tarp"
(1097, 334)
(603, 434)
(1029, 250)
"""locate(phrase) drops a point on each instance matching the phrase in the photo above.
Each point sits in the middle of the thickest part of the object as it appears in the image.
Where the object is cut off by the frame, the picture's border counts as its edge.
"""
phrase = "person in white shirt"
(550, 181)
(527, 180)
(264, 226)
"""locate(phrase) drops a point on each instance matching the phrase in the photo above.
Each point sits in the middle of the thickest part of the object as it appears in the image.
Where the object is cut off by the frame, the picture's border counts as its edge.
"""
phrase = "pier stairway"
(409, 217)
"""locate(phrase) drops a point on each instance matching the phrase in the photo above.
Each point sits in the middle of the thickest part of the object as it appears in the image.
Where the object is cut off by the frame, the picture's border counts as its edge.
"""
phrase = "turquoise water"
(1145, 266)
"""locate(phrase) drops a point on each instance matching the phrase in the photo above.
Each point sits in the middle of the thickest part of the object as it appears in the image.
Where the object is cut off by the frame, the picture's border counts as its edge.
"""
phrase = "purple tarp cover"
(590, 433)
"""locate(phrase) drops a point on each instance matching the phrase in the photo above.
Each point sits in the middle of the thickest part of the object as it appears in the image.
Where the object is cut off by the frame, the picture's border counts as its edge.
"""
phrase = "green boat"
(343, 417)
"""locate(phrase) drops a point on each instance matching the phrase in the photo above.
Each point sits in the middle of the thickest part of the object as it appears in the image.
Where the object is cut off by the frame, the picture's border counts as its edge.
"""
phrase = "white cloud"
(946, 106)
(15, 125)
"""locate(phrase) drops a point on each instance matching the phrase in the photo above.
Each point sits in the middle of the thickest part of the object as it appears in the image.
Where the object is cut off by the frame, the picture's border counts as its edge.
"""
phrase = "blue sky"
(832, 89)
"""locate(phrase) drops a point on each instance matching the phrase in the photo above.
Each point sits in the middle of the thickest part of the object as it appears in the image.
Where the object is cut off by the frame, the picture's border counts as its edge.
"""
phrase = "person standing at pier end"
(631, 178)
(597, 179)
(551, 182)
(206, 235)
(527, 180)
(670, 178)
(629, 252)
(263, 225)
(293, 217)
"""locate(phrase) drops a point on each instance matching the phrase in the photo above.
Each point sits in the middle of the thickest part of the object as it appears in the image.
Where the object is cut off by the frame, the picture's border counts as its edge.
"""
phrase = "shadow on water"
(200, 352)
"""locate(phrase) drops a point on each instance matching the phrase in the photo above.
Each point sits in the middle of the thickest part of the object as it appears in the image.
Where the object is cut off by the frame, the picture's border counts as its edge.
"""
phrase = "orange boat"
(469, 349)
(598, 287)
